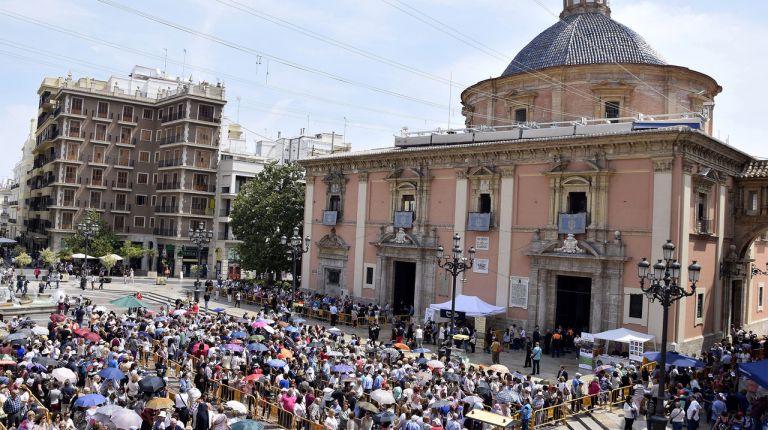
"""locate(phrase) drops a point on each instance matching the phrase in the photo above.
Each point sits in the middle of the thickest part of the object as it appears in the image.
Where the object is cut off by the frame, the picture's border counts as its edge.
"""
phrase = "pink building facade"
(560, 210)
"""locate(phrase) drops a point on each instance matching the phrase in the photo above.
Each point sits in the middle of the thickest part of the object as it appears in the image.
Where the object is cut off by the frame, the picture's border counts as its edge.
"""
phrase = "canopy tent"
(624, 335)
(6, 241)
(472, 306)
(756, 371)
(115, 256)
(81, 256)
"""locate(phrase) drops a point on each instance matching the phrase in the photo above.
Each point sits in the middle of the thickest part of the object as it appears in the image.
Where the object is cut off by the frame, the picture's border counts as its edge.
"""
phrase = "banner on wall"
(518, 292)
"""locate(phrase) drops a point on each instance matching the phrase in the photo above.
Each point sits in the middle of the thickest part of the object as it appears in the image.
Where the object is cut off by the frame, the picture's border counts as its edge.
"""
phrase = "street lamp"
(88, 229)
(664, 287)
(199, 236)
(294, 252)
(455, 265)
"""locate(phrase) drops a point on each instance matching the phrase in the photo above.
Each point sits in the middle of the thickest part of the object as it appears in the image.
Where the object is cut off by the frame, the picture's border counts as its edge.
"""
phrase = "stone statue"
(570, 246)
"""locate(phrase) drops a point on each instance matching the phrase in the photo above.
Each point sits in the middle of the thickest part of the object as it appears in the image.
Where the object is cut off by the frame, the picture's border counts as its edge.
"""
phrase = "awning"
(624, 335)
(472, 306)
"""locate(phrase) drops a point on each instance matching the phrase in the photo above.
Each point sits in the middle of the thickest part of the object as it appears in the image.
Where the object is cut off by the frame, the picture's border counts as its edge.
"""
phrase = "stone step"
(591, 422)
(574, 423)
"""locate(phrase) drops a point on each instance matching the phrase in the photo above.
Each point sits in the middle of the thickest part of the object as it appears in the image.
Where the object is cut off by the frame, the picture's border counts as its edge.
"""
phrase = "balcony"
(198, 210)
(479, 221)
(13, 203)
(225, 212)
(160, 231)
(102, 138)
(207, 118)
(168, 186)
(206, 188)
(166, 209)
(122, 207)
(126, 141)
(122, 184)
(124, 162)
(223, 235)
(330, 217)
(128, 120)
(170, 163)
(75, 134)
(173, 117)
(97, 205)
(15, 185)
(403, 219)
(100, 182)
(171, 139)
(704, 226)
(102, 116)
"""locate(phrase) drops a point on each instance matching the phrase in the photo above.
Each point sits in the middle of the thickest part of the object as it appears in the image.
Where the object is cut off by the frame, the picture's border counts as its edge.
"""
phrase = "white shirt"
(693, 410)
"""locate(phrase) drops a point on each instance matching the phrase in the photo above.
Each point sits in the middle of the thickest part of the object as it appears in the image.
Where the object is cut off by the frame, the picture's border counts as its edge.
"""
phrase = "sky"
(363, 68)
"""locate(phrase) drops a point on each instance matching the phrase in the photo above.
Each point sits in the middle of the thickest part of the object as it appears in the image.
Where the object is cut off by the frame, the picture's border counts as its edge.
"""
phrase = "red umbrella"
(252, 377)
(57, 318)
(92, 337)
(82, 332)
(200, 349)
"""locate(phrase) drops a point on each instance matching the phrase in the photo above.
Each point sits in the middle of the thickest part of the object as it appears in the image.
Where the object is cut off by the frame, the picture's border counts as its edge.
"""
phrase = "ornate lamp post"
(295, 249)
(455, 265)
(199, 236)
(664, 287)
(88, 229)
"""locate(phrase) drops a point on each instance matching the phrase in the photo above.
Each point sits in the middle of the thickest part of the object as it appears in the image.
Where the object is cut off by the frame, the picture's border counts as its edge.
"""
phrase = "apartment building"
(18, 212)
(5, 207)
(141, 150)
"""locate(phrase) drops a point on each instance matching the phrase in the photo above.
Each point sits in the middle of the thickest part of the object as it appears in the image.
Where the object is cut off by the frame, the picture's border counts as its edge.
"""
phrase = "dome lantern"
(572, 7)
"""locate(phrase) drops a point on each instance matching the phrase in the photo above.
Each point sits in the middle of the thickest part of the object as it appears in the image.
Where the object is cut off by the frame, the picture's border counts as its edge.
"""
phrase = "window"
(521, 115)
(205, 113)
(203, 135)
(753, 201)
(74, 128)
(484, 203)
(125, 135)
(119, 222)
(612, 110)
(699, 307)
(153, 199)
(701, 206)
(102, 109)
(407, 203)
(157, 156)
(636, 305)
(334, 203)
(147, 114)
(124, 157)
(333, 276)
(154, 178)
(146, 135)
(97, 176)
(202, 159)
(200, 182)
(66, 220)
(95, 200)
(138, 221)
(760, 295)
(121, 201)
(369, 275)
(152, 222)
(98, 154)
(122, 179)
(77, 106)
(68, 199)
(143, 156)
(71, 150)
(141, 200)
(128, 113)
(577, 202)
(100, 132)
(158, 135)
(142, 178)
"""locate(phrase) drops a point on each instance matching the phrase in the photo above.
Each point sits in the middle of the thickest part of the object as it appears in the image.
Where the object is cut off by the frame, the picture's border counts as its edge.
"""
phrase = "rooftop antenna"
(165, 61)
(184, 64)
(450, 94)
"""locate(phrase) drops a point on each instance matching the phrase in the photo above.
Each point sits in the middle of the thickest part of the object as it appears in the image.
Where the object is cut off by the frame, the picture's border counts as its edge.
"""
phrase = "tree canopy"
(273, 200)
(103, 243)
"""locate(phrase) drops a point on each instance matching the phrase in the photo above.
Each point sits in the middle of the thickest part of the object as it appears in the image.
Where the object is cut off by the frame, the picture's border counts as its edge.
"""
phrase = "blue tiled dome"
(583, 38)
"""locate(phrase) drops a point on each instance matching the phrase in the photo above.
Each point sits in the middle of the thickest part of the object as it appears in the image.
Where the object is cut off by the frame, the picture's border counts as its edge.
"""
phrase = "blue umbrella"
(89, 400)
(276, 363)
(247, 425)
(257, 347)
(218, 310)
(756, 371)
(675, 359)
(239, 335)
(161, 319)
(291, 329)
(111, 373)
(421, 360)
(420, 350)
(342, 368)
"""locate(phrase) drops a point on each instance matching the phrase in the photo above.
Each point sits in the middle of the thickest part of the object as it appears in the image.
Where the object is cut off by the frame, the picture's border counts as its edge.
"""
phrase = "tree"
(273, 199)
(18, 250)
(48, 257)
(103, 243)
(22, 260)
(109, 262)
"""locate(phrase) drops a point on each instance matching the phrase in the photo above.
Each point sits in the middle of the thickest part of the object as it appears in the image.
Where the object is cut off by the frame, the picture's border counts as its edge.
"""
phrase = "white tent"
(81, 256)
(624, 335)
(472, 306)
(115, 256)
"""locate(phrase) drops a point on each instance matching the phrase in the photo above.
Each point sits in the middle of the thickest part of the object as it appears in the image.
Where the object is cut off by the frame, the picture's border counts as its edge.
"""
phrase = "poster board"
(586, 353)
(518, 292)
(482, 243)
(635, 350)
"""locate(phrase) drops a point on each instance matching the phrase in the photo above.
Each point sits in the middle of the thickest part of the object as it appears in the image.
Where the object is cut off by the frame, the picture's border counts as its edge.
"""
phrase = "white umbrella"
(40, 331)
(194, 394)
(63, 374)
(81, 256)
(383, 397)
(237, 407)
(99, 309)
(107, 410)
(435, 364)
(119, 418)
(115, 256)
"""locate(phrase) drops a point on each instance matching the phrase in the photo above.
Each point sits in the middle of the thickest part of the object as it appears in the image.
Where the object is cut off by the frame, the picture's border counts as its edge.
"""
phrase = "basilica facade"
(587, 154)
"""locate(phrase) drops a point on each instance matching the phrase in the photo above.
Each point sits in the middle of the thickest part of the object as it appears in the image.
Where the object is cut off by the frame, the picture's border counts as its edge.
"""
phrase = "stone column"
(682, 248)
(359, 251)
(661, 222)
(459, 216)
(506, 199)
(306, 259)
